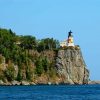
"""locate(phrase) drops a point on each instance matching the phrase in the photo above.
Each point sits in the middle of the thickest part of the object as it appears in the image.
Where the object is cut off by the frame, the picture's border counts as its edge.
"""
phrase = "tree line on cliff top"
(17, 49)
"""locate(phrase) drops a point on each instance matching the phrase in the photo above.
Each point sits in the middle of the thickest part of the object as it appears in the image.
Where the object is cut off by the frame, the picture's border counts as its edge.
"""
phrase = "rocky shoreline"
(17, 83)
(94, 82)
(14, 83)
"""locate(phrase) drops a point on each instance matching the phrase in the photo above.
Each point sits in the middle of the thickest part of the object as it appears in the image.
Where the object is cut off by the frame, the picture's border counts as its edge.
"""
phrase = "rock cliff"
(71, 67)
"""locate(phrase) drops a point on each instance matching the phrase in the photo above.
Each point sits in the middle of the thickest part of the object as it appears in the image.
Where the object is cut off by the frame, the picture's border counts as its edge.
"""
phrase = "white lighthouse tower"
(70, 41)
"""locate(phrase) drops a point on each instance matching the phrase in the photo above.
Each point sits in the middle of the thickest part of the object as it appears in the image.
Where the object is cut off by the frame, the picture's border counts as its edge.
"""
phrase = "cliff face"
(71, 67)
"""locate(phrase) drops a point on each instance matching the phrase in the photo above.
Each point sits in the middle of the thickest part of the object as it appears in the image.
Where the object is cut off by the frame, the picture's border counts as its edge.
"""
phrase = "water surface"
(53, 92)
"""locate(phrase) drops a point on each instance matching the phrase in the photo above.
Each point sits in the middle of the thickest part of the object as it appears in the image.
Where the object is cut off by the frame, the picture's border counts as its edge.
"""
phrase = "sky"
(55, 18)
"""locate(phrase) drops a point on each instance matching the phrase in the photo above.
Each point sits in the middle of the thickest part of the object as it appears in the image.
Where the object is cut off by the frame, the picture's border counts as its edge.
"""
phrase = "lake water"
(53, 92)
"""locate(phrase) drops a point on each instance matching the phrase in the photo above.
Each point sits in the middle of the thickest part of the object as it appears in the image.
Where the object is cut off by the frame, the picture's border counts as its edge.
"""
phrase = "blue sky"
(54, 18)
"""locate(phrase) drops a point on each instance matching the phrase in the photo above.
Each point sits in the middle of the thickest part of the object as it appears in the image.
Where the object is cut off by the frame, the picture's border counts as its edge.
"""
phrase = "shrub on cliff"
(10, 72)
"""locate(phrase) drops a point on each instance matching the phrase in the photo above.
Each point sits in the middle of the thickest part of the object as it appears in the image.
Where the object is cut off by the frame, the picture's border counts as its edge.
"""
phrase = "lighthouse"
(70, 41)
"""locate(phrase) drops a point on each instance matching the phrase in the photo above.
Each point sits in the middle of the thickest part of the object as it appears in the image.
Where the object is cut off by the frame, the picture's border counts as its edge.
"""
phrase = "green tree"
(47, 44)
(28, 42)
(45, 64)
(39, 67)
(9, 72)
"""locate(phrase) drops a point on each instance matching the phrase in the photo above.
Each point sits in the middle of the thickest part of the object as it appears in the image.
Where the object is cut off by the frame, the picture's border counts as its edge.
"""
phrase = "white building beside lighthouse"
(69, 41)
(63, 43)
